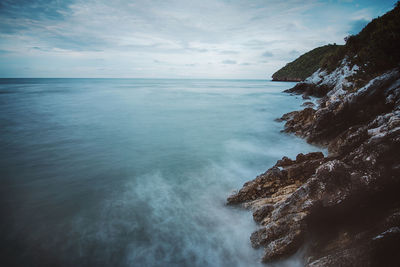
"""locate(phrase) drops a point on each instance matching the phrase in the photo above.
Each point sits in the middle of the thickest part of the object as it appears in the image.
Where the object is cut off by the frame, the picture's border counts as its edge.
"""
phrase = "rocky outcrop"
(287, 79)
(343, 209)
(307, 89)
(337, 113)
(321, 83)
(308, 104)
(281, 179)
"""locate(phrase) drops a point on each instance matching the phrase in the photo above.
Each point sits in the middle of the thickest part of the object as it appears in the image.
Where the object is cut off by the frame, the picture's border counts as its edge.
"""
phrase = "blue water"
(135, 172)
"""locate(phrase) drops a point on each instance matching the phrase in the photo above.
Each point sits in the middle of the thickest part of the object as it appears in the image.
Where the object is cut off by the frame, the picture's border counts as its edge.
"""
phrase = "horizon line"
(138, 78)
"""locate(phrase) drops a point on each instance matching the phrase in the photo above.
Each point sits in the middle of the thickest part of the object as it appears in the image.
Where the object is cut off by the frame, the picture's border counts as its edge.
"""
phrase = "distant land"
(305, 65)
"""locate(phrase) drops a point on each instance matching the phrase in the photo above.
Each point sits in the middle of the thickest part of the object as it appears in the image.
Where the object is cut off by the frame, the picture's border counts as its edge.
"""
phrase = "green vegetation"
(376, 49)
(306, 64)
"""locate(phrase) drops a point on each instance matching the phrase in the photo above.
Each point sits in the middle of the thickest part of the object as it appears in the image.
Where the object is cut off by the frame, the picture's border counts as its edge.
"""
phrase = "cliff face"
(343, 209)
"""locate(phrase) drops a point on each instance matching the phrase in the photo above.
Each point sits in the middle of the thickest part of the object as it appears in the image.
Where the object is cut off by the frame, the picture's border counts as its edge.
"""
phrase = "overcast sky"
(171, 38)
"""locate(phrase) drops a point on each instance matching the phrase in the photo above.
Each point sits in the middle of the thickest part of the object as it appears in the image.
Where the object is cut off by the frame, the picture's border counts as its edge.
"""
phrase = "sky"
(227, 39)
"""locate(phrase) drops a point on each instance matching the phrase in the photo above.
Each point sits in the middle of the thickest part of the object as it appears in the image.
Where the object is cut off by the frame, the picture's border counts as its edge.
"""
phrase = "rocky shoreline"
(342, 209)
(287, 79)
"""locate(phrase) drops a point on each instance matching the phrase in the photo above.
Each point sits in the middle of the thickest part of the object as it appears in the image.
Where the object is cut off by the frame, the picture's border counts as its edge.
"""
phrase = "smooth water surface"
(132, 172)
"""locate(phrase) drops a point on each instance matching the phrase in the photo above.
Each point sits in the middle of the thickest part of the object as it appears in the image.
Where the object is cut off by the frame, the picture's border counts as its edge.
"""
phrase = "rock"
(283, 247)
(262, 212)
(309, 89)
(263, 186)
(287, 79)
(299, 122)
(274, 179)
(345, 206)
(287, 116)
(372, 246)
(334, 118)
(348, 140)
(310, 156)
(308, 104)
(285, 161)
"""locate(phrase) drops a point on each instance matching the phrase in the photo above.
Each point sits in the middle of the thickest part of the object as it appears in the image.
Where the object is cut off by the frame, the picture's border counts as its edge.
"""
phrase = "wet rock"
(308, 104)
(299, 122)
(263, 186)
(345, 206)
(335, 117)
(287, 116)
(275, 179)
(262, 212)
(309, 156)
(285, 161)
(283, 247)
(309, 89)
(348, 140)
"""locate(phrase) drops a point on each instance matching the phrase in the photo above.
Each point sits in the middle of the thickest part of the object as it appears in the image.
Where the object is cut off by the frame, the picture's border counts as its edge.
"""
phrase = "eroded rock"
(344, 206)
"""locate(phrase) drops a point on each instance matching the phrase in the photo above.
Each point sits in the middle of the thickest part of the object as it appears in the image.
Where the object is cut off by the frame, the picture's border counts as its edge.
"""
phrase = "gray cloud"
(228, 52)
(267, 54)
(229, 62)
(162, 38)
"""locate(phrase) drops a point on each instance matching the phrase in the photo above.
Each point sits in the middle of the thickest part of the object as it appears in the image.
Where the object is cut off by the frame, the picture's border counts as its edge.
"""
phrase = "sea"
(136, 172)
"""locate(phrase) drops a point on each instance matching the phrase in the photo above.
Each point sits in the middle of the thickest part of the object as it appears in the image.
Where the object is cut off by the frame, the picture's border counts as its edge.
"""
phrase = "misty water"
(135, 172)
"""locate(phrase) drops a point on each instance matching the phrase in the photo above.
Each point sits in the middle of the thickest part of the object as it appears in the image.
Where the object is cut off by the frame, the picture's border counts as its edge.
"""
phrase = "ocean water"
(135, 172)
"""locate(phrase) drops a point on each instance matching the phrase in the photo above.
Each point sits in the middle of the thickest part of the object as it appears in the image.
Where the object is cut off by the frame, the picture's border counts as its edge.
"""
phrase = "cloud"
(228, 52)
(267, 54)
(65, 38)
(229, 62)
(35, 9)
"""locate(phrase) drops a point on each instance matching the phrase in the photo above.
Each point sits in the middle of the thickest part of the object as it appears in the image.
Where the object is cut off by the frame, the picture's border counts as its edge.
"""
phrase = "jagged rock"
(287, 116)
(262, 212)
(287, 79)
(284, 246)
(329, 188)
(333, 118)
(309, 156)
(299, 122)
(263, 186)
(305, 166)
(348, 140)
(274, 179)
(308, 104)
(345, 206)
(309, 89)
(374, 244)
(285, 161)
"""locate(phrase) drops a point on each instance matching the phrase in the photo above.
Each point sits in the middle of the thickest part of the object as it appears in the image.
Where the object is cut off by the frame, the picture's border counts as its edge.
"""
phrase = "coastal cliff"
(342, 209)
(305, 65)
